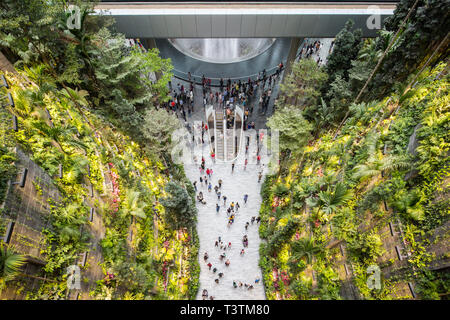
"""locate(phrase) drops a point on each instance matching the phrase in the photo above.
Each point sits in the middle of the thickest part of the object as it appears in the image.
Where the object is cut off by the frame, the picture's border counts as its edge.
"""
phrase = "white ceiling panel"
(248, 26)
(204, 27)
(218, 26)
(158, 26)
(278, 25)
(174, 26)
(263, 23)
(188, 26)
(233, 26)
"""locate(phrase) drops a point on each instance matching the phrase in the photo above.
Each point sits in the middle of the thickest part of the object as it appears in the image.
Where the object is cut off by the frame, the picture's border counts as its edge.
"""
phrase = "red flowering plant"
(284, 277)
(116, 190)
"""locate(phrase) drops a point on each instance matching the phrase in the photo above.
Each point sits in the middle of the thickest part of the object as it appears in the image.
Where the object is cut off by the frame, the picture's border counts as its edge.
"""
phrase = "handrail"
(215, 82)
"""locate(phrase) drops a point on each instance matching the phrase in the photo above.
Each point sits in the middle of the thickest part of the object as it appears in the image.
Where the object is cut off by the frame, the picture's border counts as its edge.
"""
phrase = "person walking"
(220, 183)
(224, 200)
(209, 187)
(217, 207)
(232, 167)
(245, 164)
(245, 198)
(259, 177)
(237, 206)
(195, 185)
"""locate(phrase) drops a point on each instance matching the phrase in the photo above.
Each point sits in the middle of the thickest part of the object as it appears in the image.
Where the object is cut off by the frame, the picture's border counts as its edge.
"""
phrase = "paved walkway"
(211, 225)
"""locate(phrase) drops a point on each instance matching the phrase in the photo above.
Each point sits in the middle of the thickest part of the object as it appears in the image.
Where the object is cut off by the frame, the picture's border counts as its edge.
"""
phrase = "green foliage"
(132, 276)
(158, 127)
(328, 284)
(294, 130)
(409, 203)
(280, 190)
(366, 247)
(283, 235)
(426, 28)
(7, 169)
(132, 206)
(305, 248)
(301, 288)
(180, 210)
(433, 284)
(346, 47)
(10, 264)
(330, 200)
(302, 86)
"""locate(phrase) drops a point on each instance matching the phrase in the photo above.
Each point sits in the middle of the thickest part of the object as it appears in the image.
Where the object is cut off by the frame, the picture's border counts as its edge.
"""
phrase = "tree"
(305, 248)
(180, 211)
(132, 206)
(158, 127)
(303, 84)
(377, 163)
(332, 199)
(339, 96)
(153, 63)
(294, 129)
(10, 264)
(346, 47)
(426, 28)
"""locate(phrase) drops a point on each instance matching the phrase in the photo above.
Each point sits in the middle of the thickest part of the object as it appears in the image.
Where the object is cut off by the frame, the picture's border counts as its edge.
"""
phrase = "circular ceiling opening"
(218, 50)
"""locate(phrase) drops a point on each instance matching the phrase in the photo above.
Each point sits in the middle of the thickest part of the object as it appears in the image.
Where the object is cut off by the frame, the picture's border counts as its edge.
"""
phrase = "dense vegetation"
(81, 100)
(326, 214)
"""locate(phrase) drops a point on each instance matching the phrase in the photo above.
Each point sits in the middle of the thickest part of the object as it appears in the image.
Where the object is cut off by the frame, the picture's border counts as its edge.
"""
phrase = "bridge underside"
(243, 20)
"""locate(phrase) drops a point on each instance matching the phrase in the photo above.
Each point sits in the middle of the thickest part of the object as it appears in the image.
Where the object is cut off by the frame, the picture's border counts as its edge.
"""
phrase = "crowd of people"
(312, 48)
(229, 94)
(223, 247)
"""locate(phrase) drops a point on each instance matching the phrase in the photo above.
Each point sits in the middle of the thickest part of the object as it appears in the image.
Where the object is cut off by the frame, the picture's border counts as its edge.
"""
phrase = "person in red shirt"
(258, 158)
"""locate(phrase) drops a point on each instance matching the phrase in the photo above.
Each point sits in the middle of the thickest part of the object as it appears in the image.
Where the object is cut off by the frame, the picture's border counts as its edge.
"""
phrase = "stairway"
(219, 131)
(230, 151)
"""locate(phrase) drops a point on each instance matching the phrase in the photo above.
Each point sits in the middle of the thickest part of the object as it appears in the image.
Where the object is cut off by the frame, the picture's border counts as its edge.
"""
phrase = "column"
(295, 44)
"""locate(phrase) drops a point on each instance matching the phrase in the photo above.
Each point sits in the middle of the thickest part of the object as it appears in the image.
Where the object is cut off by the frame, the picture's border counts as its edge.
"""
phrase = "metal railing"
(215, 82)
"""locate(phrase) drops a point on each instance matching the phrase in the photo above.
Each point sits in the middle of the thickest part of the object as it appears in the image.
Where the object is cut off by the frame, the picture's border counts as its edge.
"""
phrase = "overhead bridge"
(250, 19)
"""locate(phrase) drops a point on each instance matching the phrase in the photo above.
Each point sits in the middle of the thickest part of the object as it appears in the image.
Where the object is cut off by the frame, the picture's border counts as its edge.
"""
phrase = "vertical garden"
(85, 105)
(359, 208)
